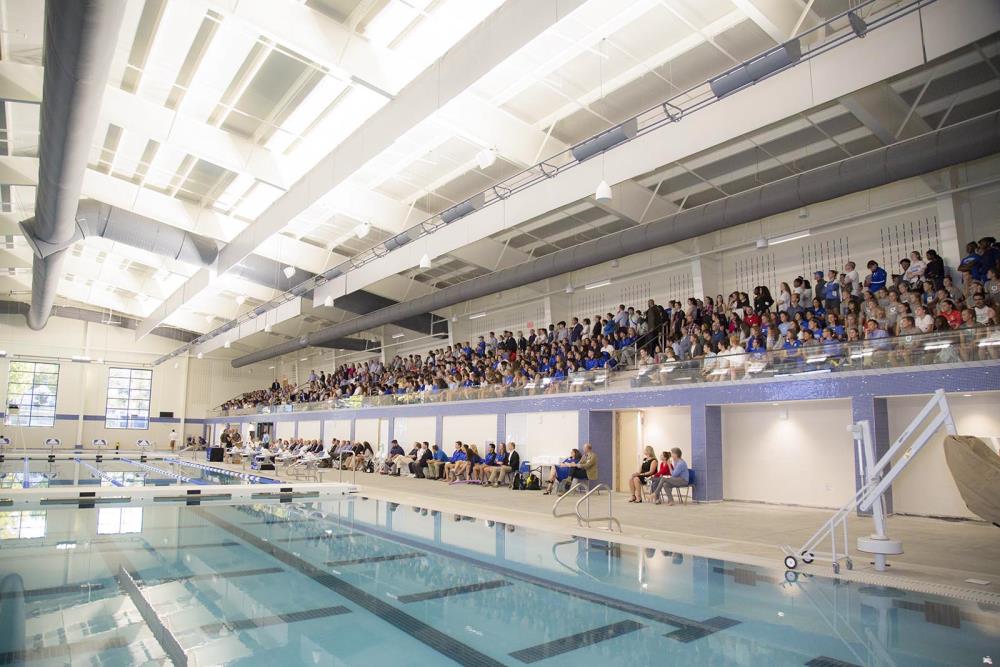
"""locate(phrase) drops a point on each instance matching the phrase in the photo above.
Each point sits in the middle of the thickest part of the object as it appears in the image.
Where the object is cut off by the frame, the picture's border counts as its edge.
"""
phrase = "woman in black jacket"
(762, 300)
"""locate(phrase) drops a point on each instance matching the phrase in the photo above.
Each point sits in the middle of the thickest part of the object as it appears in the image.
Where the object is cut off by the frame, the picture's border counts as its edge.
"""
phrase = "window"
(32, 388)
(128, 398)
(119, 520)
(22, 525)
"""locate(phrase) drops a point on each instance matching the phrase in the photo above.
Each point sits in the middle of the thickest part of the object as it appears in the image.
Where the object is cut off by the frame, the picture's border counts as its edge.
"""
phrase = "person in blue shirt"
(457, 457)
(876, 277)
(561, 472)
(831, 292)
(679, 475)
(481, 469)
(436, 465)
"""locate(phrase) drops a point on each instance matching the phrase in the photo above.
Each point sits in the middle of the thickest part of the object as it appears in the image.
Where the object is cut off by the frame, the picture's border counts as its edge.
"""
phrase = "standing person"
(654, 319)
(173, 439)
(876, 278)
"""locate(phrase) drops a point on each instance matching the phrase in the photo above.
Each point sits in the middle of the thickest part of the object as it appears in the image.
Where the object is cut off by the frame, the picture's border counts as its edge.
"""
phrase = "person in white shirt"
(173, 439)
(914, 274)
(924, 320)
(784, 298)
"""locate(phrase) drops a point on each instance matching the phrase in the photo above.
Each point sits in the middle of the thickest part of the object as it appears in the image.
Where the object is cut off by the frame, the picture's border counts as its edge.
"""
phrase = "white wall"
(370, 430)
(663, 428)
(284, 430)
(309, 430)
(337, 428)
(806, 459)
(468, 428)
(543, 433)
(406, 430)
(926, 485)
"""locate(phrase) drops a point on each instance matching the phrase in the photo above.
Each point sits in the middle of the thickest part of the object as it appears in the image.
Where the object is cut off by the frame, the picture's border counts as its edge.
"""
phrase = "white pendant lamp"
(603, 192)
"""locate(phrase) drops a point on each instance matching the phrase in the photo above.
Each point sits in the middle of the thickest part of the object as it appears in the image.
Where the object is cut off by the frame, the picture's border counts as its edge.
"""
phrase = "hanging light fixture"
(425, 261)
(240, 300)
(289, 271)
(328, 301)
(200, 355)
(362, 230)
(603, 192)
(486, 157)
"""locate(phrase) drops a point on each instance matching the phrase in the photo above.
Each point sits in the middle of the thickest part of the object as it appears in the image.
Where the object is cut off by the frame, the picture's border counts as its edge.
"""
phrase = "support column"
(706, 451)
(501, 427)
(706, 276)
(595, 427)
(391, 433)
(353, 432)
(876, 412)
(438, 430)
(954, 235)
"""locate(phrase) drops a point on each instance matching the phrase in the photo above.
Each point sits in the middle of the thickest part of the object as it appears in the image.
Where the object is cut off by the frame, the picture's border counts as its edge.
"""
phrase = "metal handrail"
(580, 519)
(555, 505)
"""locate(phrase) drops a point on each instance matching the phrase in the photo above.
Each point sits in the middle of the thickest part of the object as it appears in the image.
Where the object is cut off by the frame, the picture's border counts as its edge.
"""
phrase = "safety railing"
(588, 519)
(772, 360)
(555, 506)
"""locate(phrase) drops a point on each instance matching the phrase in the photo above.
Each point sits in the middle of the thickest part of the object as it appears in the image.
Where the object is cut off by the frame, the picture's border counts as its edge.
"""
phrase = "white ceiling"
(215, 108)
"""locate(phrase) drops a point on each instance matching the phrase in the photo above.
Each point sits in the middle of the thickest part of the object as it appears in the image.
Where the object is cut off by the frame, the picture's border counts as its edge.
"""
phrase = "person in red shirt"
(662, 473)
(950, 313)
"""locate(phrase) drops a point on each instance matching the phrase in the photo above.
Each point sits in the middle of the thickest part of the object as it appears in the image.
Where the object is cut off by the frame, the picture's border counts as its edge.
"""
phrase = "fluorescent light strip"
(477, 316)
(600, 283)
(794, 236)
(81, 359)
(399, 335)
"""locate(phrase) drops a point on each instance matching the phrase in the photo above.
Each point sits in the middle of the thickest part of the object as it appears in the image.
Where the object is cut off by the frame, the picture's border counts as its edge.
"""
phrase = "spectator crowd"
(825, 315)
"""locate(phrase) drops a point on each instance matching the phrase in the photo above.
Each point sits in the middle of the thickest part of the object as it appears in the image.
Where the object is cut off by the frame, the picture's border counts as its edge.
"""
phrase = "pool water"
(124, 471)
(366, 582)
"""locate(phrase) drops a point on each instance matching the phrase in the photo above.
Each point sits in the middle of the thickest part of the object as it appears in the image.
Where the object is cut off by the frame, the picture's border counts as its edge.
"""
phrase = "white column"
(706, 276)
(954, 230)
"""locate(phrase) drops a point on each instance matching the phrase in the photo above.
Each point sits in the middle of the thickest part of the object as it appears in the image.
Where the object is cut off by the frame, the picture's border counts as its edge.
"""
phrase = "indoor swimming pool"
(35, 472)
(367, 582)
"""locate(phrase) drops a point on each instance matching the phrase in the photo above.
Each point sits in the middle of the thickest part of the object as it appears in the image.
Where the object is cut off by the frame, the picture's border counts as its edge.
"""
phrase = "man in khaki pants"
(498, 473)
(585, 468)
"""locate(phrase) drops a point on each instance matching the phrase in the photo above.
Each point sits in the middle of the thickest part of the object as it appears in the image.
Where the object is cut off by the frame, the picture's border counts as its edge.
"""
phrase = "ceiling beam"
(501, 34)
(778, 18)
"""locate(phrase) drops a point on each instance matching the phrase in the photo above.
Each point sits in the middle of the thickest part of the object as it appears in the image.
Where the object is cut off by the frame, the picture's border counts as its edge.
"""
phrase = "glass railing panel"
(817, 358)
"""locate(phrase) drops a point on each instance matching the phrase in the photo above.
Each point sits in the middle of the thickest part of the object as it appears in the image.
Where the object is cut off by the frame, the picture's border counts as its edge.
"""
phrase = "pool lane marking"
(241, 624)
(688, 629)
(573, 642)
(375, 559)
(422, 632)
(453, 591)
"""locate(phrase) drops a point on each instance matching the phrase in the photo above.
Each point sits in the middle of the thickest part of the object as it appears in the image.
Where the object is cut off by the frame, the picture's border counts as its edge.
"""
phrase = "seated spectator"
(679, 475)
(512, 464)
(662, 472)
(562, 471)
(435, 465)
(639, 478)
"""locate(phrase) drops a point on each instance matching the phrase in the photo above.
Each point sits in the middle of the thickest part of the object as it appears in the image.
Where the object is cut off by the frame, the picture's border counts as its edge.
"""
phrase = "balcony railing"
(960, 345)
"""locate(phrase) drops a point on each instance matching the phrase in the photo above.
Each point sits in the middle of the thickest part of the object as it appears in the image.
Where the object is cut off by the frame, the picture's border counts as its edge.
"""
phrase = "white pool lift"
(875, 481)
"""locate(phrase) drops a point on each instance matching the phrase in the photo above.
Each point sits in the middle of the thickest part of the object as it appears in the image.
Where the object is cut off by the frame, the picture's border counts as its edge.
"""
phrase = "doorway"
(628, 431)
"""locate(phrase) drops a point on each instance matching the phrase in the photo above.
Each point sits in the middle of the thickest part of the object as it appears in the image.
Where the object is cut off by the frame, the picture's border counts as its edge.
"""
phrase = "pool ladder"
(614, 525)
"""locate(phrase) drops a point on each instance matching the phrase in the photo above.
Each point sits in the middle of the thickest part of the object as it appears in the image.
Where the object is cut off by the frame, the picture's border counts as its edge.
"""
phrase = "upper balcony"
(866, 356)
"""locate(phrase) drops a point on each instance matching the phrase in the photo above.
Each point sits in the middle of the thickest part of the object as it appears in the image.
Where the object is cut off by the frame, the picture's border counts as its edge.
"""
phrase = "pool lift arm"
(875, 481)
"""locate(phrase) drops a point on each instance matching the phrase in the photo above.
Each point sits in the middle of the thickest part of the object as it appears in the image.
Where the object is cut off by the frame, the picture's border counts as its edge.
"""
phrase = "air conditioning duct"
(606, 140)
(459, 211)
(754, 70)
(397, 241)
(969, 140)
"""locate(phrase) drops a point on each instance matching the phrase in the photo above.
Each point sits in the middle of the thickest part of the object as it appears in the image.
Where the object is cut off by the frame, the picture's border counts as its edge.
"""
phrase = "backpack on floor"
(517, 482)
(531, 482)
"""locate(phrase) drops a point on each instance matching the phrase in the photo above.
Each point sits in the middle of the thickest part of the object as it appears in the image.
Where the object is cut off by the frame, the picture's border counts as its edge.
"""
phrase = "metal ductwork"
(80, 39)
(969, 140)
(86, 315)
(94, 218)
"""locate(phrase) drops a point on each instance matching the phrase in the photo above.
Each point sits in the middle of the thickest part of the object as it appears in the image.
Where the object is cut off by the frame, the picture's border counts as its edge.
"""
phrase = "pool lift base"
(876, 480)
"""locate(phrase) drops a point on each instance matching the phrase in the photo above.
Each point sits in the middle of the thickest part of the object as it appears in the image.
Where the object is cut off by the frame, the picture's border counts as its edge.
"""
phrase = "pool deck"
(940, 555)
